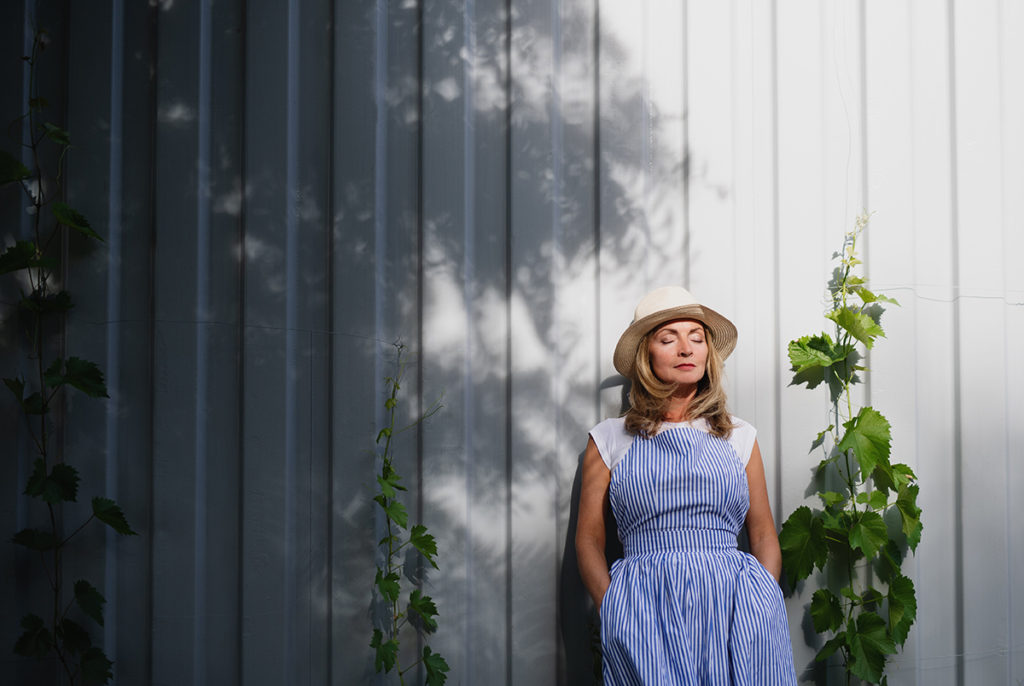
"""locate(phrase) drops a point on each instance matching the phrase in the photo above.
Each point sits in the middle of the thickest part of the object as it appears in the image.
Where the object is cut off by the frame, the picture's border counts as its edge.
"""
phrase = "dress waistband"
(678, 540)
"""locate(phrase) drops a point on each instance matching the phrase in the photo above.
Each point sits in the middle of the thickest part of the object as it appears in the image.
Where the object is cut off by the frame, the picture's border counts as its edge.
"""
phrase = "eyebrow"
(672, 329)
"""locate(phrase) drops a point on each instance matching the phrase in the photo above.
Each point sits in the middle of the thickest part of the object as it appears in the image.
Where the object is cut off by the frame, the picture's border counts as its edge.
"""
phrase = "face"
(679, 352)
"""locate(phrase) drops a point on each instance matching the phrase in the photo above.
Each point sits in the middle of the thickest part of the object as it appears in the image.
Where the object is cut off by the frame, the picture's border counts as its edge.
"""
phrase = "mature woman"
(681, 475)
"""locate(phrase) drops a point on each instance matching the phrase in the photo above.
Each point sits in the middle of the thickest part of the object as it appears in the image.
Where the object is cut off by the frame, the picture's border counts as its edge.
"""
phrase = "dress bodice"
(683, 488)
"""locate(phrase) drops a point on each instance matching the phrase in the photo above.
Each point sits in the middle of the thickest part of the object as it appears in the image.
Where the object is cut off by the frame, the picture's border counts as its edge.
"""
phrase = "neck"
(679, 404)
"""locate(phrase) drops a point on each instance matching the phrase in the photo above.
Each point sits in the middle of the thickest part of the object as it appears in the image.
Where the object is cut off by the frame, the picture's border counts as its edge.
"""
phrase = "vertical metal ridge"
(686, 145)
(331, 304)
(647, 129)
(115, 201)
(204, 79)
(864, 195)
(420, 239)
(292, 190)
(509, 425)
(776, 264)
(1010, 633)
(154, 43)
(557, 380)
(596, 208)
(380, 200)
(243, 133)
(958, 499)
(468, 287)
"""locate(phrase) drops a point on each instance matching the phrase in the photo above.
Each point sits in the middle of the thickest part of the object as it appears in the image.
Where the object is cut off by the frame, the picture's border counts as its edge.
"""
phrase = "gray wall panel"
(287, 189)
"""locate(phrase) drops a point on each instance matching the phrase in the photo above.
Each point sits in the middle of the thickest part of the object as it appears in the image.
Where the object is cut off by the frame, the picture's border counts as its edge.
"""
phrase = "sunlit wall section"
(288, 190)
(552, 317)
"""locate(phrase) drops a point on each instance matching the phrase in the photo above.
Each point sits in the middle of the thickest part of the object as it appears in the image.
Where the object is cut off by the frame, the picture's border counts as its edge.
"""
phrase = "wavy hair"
(649, 396)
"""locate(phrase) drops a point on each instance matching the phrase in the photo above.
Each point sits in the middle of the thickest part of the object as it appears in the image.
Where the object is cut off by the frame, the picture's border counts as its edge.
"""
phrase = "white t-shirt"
(613, 440)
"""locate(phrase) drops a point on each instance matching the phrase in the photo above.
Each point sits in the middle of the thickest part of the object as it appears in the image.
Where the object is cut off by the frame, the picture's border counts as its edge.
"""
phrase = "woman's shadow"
(581, 629)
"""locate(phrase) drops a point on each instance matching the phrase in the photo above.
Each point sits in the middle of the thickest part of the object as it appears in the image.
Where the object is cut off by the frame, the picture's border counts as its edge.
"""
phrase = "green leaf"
(836, 527)
(34, 404)
(869, 644)
(389, 484)
(868, 297)
(830, 498)
(857, 324)
(831, 646)
(108, 512)
(876, 500)
(869, 533)
(79, 373)
(902, 608)
(397, 513)
(384, 433)
(36, 640)
(386, 652)
(872, 597)
(437, 668)
(390, 403)
(890, 562)
(72, 218)
(826, 611)
(811, 351)
(424, 543)
(821, 437)
(65, 480)
(423, 606)
(388, 585)
(17, 387)
(35, 539)
(817, 358)
(867, 435)
(56, 134)
(21, 255)
(902, 475)
(89, 600)
(914, 537)
(803, 544)
(11, 169)
(54, 303)
(36, 485)
(73, 636)
(60, 485)
(54, 374)
(906, 503)
(96, 667)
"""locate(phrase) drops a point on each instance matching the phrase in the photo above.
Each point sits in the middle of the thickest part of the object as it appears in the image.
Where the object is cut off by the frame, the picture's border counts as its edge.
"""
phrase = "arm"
(590, 528)
(764, 541)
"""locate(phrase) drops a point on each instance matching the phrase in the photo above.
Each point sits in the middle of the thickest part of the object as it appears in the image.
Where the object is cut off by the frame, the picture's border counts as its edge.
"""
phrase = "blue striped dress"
(685, 606)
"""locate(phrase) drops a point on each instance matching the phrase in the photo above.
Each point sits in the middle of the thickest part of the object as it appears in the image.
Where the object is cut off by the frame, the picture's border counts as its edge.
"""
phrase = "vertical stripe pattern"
(685, 606)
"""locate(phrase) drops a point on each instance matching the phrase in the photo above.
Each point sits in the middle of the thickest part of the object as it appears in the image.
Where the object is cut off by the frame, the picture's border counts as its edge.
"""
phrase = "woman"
(681, 475)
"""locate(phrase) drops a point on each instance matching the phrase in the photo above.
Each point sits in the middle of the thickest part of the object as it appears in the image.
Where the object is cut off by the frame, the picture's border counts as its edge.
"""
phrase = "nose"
(684, 348)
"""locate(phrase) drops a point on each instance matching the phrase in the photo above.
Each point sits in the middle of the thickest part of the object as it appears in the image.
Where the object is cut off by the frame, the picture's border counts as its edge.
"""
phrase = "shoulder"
(742, 438)
(612, 440)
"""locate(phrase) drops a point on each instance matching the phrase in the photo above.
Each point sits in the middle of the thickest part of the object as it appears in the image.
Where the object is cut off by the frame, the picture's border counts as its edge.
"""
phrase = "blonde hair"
(649, 396)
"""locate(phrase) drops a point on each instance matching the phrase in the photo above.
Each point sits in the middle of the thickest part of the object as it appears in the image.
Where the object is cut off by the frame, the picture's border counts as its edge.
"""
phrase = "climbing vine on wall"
(60, 631)
(418, 610)
(869, 515)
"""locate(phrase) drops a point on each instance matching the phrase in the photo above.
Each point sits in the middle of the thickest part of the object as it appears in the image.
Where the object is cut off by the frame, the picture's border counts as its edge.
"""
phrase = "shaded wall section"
(288, 189)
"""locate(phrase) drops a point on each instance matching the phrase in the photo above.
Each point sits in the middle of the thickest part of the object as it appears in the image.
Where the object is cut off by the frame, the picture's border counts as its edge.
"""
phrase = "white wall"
(288, 188)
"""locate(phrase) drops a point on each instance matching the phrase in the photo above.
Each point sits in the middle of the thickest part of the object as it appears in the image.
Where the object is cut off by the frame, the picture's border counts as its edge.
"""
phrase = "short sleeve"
(742, 439)
(612, 440)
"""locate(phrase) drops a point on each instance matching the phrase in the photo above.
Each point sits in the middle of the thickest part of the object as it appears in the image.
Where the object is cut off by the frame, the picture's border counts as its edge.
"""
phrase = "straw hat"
(663, 305)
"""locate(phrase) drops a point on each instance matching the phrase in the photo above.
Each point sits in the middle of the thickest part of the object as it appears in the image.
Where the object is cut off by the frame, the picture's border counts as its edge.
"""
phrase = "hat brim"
(722, 331)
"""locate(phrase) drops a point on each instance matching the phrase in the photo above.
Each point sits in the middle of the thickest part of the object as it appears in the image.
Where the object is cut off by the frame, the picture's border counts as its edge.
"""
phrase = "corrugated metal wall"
(288, 188)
